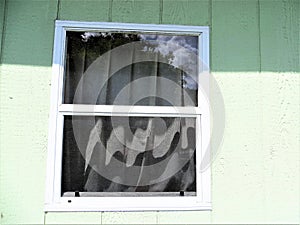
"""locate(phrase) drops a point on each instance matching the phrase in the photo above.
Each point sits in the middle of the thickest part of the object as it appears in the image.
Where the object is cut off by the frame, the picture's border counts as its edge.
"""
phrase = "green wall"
(255, 60)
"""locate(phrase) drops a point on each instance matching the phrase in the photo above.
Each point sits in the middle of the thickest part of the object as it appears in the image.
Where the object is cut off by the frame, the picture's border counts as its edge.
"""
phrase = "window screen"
(129, 155)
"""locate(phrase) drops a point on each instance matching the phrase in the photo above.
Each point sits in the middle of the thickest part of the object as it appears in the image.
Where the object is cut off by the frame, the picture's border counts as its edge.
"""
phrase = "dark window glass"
(117, 68)
(109, 155)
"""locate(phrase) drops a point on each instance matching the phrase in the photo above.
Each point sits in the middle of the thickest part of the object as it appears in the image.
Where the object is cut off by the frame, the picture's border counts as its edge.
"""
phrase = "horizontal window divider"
(116, 110)
(127, 114)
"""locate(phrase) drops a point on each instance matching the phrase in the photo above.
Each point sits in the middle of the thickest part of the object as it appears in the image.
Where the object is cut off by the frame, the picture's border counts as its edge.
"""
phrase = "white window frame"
(54, 201)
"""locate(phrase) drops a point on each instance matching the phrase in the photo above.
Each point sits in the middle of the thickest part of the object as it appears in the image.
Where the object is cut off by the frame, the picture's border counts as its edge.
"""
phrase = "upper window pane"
(113, 68)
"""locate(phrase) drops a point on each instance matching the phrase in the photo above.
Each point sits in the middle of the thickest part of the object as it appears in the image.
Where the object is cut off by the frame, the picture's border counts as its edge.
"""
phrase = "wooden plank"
(85, 10)
(279, 29)
(235, 36)
(186, 12)
(29, 32)
(72, 217)
(136, 11)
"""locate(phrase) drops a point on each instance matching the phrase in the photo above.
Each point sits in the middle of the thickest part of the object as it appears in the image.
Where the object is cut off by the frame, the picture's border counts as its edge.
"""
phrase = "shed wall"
(255, 61)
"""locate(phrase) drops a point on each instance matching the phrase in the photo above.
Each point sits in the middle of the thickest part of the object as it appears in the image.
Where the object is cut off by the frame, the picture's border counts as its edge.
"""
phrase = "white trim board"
(54, 201)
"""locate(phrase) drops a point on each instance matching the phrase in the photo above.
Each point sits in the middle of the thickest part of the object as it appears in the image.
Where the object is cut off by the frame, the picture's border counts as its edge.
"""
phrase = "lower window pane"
(129, 156)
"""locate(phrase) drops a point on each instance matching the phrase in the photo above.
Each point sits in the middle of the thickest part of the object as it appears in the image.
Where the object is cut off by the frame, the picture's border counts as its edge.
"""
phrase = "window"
(128, 123)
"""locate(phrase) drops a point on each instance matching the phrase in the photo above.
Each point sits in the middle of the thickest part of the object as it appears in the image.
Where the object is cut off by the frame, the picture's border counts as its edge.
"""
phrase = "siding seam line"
(57, 9)
(210, 13)
(210, 33)
(3, 30)
(110, 11)
(161, 4)
(259, 34)
(56, 18)
(44, 218)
